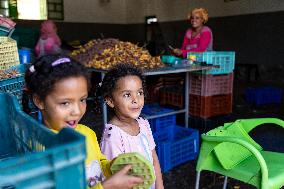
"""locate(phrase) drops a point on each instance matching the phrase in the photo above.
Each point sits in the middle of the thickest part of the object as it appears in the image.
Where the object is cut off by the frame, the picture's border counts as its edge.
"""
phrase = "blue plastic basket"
(176, 145)
(225, 61)
(31, 156)
(161, 122)
(263, 95)
(14, 85)
(24, 56)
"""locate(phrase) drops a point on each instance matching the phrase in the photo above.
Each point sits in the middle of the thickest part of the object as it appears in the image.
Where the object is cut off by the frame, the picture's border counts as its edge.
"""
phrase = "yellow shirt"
(94, 157)
(97, 166)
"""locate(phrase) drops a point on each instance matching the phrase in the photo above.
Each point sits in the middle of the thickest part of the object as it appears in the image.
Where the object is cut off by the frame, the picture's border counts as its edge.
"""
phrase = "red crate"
(209, 85)
(152, 94)
(209, 106)
(173, 98)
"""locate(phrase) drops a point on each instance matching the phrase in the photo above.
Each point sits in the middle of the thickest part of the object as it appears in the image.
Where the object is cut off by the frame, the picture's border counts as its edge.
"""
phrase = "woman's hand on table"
(177, 52)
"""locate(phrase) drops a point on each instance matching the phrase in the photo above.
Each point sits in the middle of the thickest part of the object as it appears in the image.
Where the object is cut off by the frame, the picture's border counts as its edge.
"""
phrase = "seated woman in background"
(48, 42)
(198, 38)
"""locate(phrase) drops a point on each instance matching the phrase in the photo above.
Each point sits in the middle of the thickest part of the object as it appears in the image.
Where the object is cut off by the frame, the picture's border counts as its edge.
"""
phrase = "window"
(4, 7)
(41, 9)
(55, 9)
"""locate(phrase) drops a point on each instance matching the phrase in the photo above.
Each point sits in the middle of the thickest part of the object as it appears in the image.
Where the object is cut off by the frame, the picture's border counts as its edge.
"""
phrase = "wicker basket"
(8, 53)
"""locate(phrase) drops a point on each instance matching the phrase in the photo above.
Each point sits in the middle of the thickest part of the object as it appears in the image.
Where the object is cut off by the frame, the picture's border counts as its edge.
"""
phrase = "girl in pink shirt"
(198, 38)
(123, 90)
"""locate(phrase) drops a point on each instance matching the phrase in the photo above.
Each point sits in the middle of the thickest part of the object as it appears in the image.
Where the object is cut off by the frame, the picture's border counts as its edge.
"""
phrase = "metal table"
(162, 71)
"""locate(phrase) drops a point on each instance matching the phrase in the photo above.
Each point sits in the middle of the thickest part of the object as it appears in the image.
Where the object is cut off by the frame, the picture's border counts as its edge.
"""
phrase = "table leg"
(104, 105)
(186, 98)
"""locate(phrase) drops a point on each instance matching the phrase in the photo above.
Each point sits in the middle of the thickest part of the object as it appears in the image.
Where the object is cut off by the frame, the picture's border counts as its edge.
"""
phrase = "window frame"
(4, 9)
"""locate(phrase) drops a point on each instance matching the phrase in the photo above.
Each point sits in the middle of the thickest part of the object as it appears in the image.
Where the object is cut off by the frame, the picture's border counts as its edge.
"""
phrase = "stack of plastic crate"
(174, 144)
(166, 90)
(173, 96)
(210, 91)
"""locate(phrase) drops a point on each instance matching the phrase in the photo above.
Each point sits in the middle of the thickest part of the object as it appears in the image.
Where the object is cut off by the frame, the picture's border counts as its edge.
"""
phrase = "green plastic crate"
(31, 156)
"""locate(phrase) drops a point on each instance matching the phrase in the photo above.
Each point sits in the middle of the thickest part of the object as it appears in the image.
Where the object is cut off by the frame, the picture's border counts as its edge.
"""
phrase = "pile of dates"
(10, 73)
(105, 53)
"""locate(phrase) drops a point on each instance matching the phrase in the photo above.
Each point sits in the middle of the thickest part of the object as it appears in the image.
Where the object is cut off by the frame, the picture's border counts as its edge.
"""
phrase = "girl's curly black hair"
(41, 79)
(108, 84)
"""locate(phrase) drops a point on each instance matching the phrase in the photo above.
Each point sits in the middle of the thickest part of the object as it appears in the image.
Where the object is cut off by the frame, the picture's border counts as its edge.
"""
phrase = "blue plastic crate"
(24, 56)
(31, 156)
(263, 95)
(161, 122)
(224, 59)
(176, 145)
(14, 85)
(155, 109)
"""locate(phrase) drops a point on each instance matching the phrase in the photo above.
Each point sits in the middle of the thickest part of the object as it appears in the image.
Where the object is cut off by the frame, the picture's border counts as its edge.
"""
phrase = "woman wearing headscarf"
(49, 42)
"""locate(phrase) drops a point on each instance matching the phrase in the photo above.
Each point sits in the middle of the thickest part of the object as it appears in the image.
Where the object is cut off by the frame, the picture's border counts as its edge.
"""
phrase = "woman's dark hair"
(46, 71)
(114, 74)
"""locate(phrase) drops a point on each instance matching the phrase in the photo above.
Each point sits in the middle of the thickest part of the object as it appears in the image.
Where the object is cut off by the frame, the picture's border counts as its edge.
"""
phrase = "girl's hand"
(121, 180)
(177, 52)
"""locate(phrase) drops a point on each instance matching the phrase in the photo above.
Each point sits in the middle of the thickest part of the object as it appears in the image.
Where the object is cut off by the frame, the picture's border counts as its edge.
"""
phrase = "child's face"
(128, 97)
(66, 105)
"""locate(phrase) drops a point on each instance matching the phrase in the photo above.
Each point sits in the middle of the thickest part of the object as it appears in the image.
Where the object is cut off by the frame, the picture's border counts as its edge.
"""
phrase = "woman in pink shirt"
(198, 38)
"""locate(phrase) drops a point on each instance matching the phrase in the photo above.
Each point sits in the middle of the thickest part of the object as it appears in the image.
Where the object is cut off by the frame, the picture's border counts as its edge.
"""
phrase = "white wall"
(170, 10)
(134, 11)
(95, 11)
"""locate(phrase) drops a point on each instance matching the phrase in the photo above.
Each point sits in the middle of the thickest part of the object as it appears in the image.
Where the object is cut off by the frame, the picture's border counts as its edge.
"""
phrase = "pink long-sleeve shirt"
(203, 41)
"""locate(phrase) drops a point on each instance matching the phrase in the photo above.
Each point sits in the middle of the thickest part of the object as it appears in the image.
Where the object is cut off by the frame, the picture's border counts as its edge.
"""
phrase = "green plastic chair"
(230, 151)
